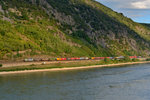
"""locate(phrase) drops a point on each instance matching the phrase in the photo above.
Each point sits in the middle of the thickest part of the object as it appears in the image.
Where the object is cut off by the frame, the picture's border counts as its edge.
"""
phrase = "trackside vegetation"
(105, 61)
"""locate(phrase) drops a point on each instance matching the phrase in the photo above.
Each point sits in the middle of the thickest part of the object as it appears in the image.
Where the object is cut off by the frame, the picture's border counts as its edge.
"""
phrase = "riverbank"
(70, 68)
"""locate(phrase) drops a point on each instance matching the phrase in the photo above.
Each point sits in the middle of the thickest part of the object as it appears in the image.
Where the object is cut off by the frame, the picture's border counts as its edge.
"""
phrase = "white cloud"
(138, 10)
(133, 4)
(145, 4)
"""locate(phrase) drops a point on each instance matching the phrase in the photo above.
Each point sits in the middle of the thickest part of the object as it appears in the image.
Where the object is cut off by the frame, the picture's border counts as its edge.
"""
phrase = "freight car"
(120, 57)
(61, 59)
(96, 58)
(77, 58)
(37, 59)
(133, 57)
(73, 58)
(29, 60)
(101, 58)
(45, 59)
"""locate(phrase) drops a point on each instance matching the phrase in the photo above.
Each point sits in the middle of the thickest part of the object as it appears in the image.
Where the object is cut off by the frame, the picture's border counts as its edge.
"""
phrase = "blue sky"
(137, 10)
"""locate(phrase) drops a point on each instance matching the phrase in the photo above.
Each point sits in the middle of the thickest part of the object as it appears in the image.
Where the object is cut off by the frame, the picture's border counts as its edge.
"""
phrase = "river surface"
(117, 83)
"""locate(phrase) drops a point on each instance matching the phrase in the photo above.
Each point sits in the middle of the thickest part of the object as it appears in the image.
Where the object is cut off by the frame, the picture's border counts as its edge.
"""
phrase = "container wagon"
(29, 60)
(61, 59)
(97, 58)
(132, 57)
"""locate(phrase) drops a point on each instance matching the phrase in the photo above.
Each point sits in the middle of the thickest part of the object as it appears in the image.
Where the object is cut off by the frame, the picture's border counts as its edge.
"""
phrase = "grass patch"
(62, 65)
(51, 66)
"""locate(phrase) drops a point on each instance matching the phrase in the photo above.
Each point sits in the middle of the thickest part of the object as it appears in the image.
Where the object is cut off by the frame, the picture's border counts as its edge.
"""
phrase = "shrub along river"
(115, 83)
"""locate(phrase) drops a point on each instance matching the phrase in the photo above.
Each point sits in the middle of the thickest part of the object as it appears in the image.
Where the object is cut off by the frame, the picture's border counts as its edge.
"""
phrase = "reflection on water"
(118, 83)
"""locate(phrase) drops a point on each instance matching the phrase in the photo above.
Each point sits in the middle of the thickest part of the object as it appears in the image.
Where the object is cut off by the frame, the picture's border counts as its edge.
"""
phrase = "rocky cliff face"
(101, 29)
(82, 25)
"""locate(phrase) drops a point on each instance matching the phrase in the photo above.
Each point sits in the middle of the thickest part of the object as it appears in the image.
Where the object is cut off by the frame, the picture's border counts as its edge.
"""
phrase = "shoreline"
(72, 68)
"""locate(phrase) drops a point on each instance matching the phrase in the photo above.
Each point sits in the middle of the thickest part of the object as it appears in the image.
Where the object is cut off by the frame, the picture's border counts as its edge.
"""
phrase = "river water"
(117, 83)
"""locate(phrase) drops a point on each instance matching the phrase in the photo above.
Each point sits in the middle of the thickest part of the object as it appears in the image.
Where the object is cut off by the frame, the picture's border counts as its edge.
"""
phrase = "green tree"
(135, 60)
(107, 61)
(1, 65)
(127, 59)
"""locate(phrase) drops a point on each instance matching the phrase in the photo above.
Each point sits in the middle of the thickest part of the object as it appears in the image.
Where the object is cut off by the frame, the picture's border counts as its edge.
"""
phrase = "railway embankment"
(61, 66)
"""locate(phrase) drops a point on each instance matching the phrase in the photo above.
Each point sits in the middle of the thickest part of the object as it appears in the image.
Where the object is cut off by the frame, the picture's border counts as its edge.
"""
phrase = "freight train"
(77, 58)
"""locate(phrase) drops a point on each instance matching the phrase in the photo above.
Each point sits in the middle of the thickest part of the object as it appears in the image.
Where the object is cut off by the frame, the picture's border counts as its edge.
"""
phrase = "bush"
(1, 65)
(107, 61)
(148, 59)
(126, 59)
(135, 60)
